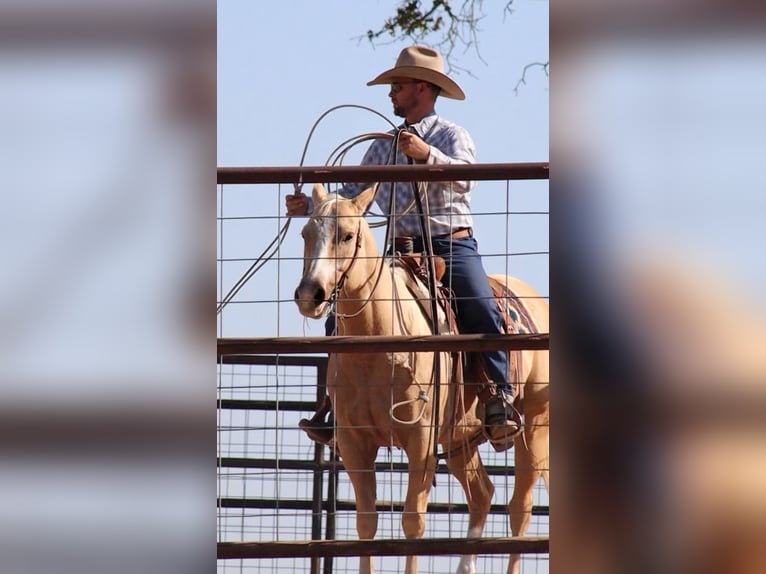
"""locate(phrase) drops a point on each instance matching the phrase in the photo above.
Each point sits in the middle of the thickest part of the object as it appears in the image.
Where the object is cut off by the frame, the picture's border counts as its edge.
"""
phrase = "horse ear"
(318, 193)
(364, 199)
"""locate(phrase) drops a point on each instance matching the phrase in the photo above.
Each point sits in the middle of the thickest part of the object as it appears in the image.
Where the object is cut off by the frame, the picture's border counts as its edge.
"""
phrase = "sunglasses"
(396, 87)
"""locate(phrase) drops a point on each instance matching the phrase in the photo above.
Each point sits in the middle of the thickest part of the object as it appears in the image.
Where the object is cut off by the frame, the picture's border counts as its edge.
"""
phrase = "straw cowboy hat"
(421, 63)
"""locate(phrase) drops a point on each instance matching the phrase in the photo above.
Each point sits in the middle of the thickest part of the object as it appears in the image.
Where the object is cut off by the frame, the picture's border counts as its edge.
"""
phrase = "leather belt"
(415, 244)
(459, 233)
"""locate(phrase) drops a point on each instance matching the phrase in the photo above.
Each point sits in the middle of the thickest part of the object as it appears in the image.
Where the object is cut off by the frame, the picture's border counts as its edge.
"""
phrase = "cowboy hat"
(421, 63)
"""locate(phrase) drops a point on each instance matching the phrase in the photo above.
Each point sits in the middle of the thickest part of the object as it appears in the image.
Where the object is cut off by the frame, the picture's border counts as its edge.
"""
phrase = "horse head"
(333, 240)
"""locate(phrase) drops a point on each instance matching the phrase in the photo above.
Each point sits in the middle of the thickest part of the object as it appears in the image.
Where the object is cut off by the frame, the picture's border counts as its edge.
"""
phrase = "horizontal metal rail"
(399, 547)
(293, 464)
(380, 344)
(373, 173)
(350, 506)
(274, 361)
(264, 405)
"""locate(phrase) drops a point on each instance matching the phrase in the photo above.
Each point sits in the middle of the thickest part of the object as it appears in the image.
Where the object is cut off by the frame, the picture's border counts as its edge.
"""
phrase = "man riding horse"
(415, 82)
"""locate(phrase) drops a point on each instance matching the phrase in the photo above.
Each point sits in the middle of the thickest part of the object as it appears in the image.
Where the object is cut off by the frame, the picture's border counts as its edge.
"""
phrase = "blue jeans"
(474, 300)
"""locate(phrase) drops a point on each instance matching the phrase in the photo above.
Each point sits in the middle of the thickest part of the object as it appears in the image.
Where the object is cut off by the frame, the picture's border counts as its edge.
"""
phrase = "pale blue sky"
(281, 65)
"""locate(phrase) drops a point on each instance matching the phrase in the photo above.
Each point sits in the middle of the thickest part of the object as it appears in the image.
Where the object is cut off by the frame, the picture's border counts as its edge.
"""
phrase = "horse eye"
(348, 237)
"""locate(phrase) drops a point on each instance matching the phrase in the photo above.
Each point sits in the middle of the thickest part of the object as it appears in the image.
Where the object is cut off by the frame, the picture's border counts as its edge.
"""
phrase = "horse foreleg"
(359, 462)
(470, 472)
(530, 463)
(422, 465)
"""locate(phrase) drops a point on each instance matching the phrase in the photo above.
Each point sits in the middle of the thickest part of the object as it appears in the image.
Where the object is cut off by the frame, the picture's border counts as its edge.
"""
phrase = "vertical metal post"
(318, 486)
(332, 472)
(332, 497)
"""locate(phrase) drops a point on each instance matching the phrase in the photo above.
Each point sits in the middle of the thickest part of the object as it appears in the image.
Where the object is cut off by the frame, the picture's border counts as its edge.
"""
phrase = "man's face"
(404, 96)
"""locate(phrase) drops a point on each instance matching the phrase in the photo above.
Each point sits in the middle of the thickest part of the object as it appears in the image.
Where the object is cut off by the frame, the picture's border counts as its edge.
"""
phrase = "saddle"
(516, 319)
(416, 278)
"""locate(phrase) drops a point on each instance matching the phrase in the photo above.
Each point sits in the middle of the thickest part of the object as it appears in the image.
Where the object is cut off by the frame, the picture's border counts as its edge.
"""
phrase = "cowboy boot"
(317, 428)
(502, 420)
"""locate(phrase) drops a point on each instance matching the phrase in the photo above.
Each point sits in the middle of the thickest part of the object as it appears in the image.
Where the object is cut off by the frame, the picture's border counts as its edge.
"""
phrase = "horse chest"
(366, 386)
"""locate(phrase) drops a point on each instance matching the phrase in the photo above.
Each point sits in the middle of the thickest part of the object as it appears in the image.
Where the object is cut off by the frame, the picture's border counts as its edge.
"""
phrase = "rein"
(431, 272)
(332, 299)
(386, 240)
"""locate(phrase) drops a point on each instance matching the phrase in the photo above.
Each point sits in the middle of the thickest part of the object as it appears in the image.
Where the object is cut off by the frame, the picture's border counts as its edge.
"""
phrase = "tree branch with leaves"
(446, 25)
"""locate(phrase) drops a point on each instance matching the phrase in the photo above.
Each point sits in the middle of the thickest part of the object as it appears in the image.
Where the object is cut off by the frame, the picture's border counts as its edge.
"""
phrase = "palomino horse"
(376, 396)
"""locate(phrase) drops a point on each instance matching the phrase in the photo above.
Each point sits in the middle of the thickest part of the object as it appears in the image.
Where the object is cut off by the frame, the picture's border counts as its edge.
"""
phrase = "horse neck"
(364, 305)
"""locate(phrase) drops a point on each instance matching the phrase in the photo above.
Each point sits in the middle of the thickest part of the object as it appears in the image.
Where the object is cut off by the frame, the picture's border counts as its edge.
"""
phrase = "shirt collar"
(424, 125)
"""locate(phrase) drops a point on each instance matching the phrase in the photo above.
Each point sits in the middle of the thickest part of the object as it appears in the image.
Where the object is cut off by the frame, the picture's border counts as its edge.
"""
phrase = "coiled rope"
(335, 158)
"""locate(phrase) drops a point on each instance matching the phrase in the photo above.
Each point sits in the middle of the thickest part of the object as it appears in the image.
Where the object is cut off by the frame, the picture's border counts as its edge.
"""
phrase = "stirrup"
(503, 422)
(502, 437)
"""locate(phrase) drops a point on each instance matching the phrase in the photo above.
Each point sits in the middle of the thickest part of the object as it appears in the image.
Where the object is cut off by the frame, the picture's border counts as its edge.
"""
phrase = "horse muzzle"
(311, 298)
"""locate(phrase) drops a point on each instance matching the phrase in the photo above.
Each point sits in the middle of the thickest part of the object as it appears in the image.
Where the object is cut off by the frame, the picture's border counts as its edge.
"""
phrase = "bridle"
(332, 299)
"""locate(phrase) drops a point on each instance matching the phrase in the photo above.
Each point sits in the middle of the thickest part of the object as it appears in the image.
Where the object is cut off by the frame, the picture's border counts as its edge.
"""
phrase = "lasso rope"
(262, 259)
(336, 157)
(255, 267)
(422, 396)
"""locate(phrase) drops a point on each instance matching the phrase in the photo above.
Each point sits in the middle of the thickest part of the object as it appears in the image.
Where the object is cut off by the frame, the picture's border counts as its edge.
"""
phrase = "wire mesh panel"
(274, 483)
(267, 479)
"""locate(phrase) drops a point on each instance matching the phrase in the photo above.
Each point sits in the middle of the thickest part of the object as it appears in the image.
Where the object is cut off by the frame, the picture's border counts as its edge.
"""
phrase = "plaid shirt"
(448, 202)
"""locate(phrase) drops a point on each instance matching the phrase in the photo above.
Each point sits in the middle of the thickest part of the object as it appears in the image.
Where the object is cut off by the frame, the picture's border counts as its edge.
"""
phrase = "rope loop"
(265, 257)
(422, 396)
